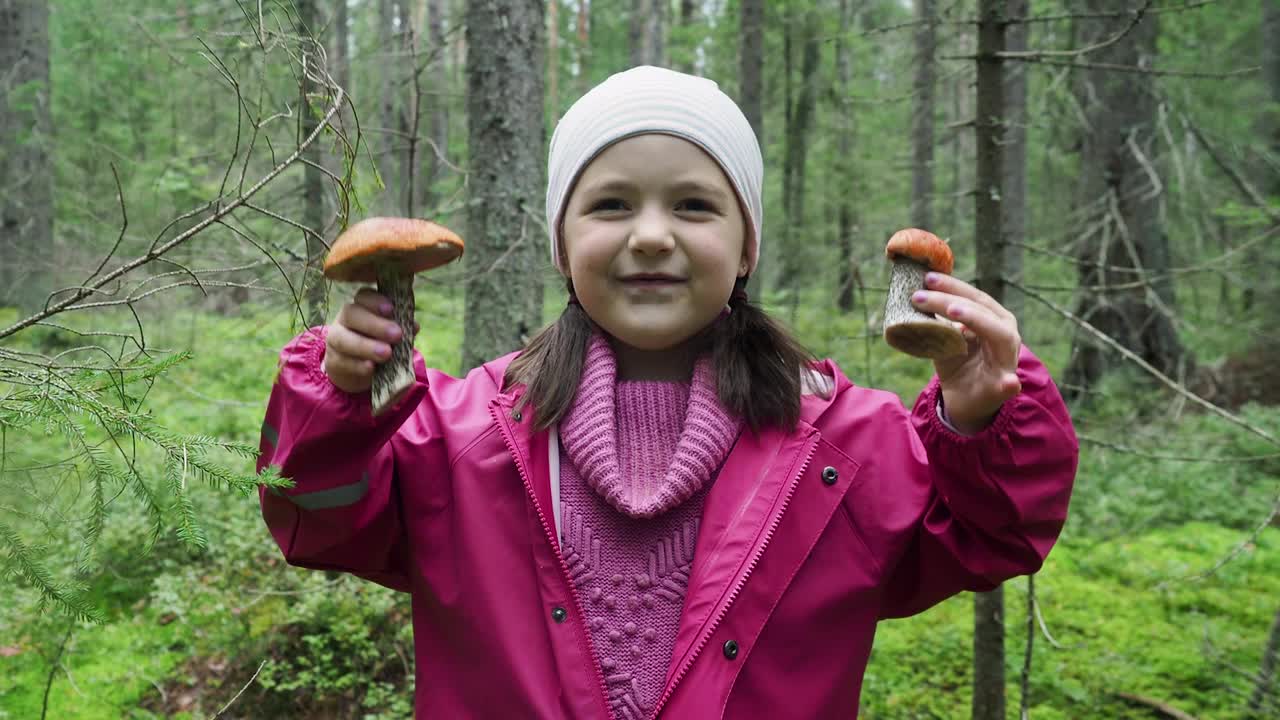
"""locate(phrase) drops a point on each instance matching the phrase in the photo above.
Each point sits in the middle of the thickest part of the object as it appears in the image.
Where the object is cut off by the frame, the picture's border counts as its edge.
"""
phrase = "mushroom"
(388, 251)
(915, 252)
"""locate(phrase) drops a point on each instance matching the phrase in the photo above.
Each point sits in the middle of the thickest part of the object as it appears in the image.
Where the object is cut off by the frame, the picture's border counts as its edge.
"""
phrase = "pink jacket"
(807, 539)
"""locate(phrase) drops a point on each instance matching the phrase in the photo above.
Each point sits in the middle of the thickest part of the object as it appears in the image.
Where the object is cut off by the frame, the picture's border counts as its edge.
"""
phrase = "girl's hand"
(359, 339)
(976, 384)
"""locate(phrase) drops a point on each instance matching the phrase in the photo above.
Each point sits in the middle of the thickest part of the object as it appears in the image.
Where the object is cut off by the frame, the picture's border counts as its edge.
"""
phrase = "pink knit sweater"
(638, 459)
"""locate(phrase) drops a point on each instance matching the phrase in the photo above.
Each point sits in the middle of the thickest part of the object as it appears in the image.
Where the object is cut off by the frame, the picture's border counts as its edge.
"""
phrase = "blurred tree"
(1126, 290)
(922, 116)
(505, 56)
(26, 168)
(988, 233)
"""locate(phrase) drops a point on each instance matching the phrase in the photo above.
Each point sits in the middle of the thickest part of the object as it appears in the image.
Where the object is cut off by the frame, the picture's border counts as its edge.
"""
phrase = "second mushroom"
(913, 253)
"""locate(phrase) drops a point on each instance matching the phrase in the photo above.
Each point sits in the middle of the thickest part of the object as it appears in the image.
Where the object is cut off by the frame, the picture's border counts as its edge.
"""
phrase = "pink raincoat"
(807, 538)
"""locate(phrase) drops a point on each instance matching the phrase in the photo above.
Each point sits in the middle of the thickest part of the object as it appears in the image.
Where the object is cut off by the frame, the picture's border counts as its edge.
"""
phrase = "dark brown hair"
(759, 365)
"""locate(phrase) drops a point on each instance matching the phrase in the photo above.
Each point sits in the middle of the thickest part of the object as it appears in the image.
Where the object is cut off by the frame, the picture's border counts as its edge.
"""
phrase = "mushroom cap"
(922, 246)
(415, 245)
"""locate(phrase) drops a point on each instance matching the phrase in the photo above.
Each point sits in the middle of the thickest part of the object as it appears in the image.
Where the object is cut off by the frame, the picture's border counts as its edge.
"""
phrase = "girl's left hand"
(976, 384)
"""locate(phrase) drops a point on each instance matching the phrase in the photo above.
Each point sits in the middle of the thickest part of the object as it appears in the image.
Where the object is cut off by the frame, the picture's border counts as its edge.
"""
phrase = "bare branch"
(187, 235)
(1131, 356)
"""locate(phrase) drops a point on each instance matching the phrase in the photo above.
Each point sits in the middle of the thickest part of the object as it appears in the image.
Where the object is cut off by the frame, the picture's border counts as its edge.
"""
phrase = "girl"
(662, 507)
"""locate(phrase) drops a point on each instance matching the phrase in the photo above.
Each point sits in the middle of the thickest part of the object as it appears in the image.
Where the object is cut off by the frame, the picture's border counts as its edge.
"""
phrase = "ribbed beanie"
(649, 99)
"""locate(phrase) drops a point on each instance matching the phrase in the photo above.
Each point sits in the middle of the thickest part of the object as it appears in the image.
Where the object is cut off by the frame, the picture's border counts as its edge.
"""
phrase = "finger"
(375, 301)
(363, 321)
(978, 318)
(355, 346)
(348, 373)
(955, 286)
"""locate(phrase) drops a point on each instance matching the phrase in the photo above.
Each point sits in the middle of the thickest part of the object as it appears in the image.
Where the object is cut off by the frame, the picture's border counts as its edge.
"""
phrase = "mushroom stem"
(908, 329)
(394, 376)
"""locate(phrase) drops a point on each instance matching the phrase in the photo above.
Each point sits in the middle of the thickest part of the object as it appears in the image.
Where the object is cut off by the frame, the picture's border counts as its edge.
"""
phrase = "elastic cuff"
(999, 424)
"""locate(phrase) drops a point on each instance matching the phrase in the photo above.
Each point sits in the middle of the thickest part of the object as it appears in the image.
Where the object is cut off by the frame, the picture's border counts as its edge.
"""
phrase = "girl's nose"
(651, 233)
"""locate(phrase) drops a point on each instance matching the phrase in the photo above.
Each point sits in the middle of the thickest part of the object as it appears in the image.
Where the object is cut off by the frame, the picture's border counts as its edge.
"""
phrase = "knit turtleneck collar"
(591, 439)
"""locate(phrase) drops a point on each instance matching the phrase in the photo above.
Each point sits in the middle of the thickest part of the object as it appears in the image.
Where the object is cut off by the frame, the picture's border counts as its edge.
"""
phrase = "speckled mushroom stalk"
(908, 329)
(915, 252)
(396, 374)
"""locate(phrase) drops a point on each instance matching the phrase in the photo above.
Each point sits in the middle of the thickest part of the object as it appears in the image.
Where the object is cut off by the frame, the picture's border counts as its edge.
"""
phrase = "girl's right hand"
(360, 339)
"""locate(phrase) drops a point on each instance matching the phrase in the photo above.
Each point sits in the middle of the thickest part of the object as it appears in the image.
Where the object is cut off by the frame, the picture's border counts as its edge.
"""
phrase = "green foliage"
(1127, 616)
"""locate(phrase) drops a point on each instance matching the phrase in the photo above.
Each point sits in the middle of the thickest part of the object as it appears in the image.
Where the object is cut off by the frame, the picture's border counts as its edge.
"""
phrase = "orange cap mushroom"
(388, 251)
(923, 247)
(412, 245)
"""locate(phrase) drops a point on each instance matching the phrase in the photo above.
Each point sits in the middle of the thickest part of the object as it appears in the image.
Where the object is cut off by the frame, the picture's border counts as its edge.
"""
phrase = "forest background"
(171, 172)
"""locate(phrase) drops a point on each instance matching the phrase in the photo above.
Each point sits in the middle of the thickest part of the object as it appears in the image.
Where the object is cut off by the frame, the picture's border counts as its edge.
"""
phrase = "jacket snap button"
(830, 475)
(731, 649)
(559, 614)
(517, 416)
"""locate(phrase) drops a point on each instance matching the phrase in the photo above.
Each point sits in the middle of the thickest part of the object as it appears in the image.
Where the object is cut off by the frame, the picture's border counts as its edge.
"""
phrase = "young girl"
(662, 507)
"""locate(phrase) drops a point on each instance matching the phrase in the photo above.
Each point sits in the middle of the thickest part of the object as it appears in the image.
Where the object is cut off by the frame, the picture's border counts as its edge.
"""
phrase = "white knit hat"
(649, 99)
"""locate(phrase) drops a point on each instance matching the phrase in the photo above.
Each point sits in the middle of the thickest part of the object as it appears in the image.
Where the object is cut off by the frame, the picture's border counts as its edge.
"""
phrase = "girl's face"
(654, 239)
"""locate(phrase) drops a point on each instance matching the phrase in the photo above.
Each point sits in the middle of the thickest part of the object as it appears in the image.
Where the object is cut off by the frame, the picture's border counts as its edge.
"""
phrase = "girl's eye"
(608, 205)
(695, 205)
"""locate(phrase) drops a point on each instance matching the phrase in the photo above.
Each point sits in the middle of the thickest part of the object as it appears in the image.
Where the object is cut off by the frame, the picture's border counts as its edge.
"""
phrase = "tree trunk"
(988, 608)
(26, 166)
(409, 113)
(584, 46)
(688, 18)
(388, 121)
(849, 275)
(751, 87)
(439, 112)
(1262, 689)
(655, 32)
(922, 118)
(315, 291)
(636, 30)
(1269, 166)
(1120, 203)
(505, 127)
(553, 60)
(1014, 186)
(798, 130)
(1271, 75)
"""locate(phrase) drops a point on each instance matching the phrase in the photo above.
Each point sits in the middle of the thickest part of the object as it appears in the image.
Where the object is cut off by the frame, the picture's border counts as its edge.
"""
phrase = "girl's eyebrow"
(695, 187)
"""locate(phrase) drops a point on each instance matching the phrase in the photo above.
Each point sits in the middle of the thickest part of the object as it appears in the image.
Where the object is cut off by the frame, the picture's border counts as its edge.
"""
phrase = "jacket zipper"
(742, 580)
(564, 568)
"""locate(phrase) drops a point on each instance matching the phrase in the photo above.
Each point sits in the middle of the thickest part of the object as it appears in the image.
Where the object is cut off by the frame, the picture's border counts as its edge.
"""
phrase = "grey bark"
(26, 167)
(505, 124)
(1271, 76)
(584, 46)
(922, 117)
(647, 26)
(988, 608)
(798, 127)
(439, 112)
(388, 122)
(1270, 165)
(751, 86)
(751, 64)
(688, 16)
(1119, 199)
(849, 275)
(313, 214)
(1014, 186)
(635, 31)
(553, 60)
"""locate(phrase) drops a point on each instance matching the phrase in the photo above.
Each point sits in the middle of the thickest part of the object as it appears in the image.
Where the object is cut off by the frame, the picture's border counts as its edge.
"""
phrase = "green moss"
(1127, 617)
